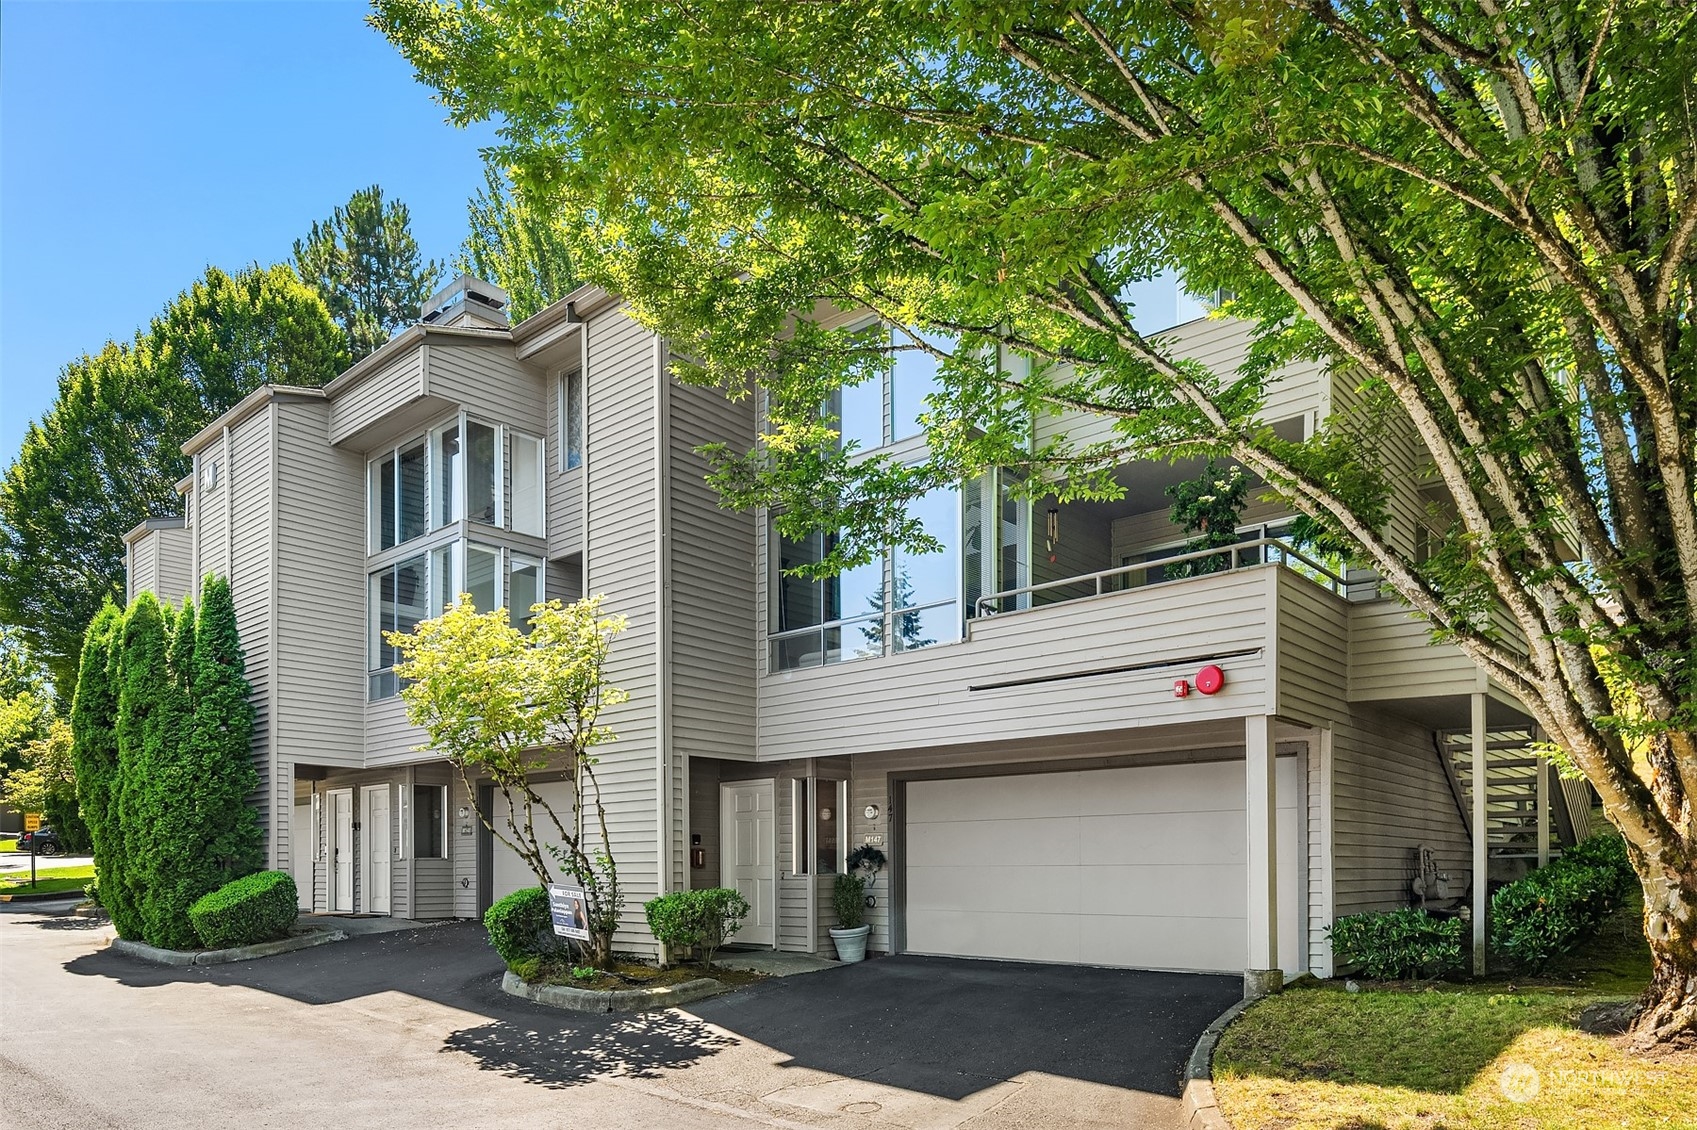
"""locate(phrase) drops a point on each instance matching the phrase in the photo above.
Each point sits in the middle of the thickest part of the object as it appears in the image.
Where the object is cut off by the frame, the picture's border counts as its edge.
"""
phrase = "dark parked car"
(46, 841)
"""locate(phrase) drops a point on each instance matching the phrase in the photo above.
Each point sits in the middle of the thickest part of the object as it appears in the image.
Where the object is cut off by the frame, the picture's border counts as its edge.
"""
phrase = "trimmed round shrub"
(1537, 919)
(520, 926)
(1398, 944)
(254, 908)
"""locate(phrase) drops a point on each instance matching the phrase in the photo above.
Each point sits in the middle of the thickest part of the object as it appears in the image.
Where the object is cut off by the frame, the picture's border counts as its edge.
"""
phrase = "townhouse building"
(1068, 747)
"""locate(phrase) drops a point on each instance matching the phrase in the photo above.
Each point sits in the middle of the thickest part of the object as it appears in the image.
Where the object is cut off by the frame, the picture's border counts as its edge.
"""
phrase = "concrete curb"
(43, 896)
(1201, 1108)
(143, 952)
(610, 1000)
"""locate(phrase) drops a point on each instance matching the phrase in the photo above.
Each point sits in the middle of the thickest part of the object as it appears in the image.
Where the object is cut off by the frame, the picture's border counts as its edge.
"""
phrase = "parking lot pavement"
(410, 1029)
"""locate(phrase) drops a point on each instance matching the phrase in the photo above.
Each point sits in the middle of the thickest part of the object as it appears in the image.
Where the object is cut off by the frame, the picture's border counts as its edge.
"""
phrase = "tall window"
(524, 588)
(400, 598)
(448, 465)
(429, 821)
(886, 407)
(483, 577)
(899, 602)
(483, 473)
(571, 420)
(400, 495)
(527, 489)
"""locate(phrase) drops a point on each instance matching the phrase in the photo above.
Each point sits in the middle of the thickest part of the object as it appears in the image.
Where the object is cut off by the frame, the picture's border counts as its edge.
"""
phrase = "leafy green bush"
(1537, 919)
(699, 920)
(521, 927)
(1398, 944)
(254, 908)
(1608, 851)
(848, 896)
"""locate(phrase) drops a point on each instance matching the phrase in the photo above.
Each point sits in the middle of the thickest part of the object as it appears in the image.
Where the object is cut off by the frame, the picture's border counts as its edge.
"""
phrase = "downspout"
(663, 622)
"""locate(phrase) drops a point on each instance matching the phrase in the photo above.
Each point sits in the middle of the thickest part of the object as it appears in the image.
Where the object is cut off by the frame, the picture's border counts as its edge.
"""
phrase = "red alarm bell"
(1210, 679)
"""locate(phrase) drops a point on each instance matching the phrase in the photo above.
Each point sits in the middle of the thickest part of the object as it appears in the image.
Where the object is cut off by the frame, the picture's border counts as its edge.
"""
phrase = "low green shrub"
(1608, 851)
(848, 898)
(520, 926)
(698, 920)
(254, 908)
(1549, 912)
(1399, 944)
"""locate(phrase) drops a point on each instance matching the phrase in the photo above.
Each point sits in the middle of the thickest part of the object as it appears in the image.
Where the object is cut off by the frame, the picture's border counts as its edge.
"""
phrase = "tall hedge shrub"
(221, 739)
(94, 733)
(144, 726)
(169, 873)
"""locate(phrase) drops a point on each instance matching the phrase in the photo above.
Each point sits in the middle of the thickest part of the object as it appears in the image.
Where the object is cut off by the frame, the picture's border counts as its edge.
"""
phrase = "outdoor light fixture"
(826, 815)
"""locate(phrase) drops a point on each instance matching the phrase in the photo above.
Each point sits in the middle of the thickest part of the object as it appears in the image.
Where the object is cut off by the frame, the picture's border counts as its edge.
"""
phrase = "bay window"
(400, 598)
(449, 464)
(483, 473)
(482, 577)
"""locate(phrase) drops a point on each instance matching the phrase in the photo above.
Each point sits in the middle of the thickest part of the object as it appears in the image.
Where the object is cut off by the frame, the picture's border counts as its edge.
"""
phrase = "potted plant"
(849, 897)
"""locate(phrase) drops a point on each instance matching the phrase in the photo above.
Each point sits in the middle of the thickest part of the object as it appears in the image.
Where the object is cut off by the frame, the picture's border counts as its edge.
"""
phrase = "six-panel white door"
(378, 847)
(341, 850)
(748, 843)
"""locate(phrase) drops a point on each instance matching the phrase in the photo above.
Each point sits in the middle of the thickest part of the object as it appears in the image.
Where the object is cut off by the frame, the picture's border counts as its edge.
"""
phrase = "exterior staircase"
(1512, 770)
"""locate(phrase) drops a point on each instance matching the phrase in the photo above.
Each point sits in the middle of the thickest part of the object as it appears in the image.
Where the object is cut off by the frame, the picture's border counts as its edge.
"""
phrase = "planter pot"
(851, 944)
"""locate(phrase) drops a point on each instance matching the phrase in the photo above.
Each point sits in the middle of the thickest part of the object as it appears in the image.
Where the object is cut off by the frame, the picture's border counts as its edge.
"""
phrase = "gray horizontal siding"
(922, 698)
(1392, 656)
(1313, 650)
(252, 483)
(397, 384)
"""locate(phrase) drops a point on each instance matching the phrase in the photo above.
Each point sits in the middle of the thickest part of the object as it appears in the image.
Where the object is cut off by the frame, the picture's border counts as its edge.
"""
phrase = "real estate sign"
(570, 912)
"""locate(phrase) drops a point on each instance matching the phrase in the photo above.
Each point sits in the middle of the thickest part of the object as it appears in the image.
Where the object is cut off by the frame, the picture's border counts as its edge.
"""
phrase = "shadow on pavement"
(941, 1026)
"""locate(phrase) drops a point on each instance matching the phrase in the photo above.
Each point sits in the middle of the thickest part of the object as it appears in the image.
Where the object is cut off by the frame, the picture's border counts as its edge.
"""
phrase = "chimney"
(467, 302)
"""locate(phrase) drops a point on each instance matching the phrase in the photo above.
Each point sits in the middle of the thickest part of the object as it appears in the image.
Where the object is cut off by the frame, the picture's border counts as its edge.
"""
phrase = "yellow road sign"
(32, 821)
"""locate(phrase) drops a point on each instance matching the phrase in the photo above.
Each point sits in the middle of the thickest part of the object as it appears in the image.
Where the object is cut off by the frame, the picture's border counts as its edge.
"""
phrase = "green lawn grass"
(1467, 1056)
(49, 879)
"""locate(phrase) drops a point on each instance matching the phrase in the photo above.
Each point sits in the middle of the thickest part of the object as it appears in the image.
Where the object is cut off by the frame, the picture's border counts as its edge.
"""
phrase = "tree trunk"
(1668, 1008)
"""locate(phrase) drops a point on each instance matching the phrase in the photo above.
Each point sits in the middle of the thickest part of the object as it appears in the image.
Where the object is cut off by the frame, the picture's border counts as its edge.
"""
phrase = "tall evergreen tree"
(518, 247)
(364, 262)
(173, 870)
(94, 744)
(220, 738)
(143, 721)
(108, 452)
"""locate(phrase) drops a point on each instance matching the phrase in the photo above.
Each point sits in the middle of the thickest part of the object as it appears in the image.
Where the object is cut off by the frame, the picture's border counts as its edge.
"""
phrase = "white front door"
(341, 850)
(748, 825)
(375, 857)
(300, 853)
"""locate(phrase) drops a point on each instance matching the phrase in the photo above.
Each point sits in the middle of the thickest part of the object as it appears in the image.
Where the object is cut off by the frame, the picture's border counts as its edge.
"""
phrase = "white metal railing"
(1276, 552)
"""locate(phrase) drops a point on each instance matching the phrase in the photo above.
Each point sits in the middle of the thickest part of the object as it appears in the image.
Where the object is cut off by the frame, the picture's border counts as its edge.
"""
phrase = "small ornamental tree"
(143, 683)
(502, 705)
(220, 743)
(94, 738)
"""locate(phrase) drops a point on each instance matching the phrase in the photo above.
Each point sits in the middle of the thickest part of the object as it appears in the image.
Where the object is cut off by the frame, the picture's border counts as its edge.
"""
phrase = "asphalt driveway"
(409, 1029)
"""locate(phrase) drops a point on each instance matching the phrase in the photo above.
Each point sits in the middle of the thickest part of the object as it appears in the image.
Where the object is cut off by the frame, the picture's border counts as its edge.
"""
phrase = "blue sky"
(141, 141)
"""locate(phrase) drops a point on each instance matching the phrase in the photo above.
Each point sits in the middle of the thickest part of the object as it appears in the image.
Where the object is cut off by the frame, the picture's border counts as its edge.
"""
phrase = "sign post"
(32, 824)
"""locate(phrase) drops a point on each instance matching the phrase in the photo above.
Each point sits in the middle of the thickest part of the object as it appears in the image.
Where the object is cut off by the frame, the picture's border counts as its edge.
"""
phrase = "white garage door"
(510, 872)
(1136, 867)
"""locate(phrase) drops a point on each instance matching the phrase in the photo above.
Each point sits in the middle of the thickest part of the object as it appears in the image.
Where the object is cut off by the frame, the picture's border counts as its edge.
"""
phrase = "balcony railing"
(1246, 554)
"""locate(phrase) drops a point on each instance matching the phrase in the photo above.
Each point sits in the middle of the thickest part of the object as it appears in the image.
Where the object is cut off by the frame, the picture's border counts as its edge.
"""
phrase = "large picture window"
(886, 407)
(899, 602)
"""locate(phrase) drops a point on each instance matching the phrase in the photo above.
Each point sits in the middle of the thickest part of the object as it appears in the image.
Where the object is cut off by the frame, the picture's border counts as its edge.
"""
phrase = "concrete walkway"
(772, 963)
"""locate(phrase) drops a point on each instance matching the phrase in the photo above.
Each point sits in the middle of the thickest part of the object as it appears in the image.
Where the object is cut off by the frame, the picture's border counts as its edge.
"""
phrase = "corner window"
(406, 592)
(527, 489)
(571, 420)
(885, 408)
(429, 821)
(400, 499)
(483, 577)
(448, 462)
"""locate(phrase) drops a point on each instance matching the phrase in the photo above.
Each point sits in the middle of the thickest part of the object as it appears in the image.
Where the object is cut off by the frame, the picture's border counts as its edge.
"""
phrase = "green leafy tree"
(1483, 215)
(1209, 508)
(94, 739)
(46, 782)
(364, 263)
(225, 825)
(519, 248)
(26, 703)
(501, 706)
(108, 452)
(146, 725)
